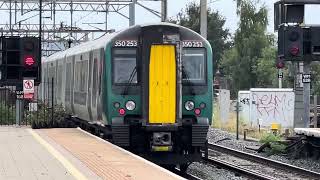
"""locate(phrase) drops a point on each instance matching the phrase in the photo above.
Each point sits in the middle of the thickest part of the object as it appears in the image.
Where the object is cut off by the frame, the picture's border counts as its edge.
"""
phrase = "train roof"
(102, 41)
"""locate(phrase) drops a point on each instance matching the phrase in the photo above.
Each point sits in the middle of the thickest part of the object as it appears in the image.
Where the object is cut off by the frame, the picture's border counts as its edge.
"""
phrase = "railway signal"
(294, 41)
(20, 59)
(290, 41)
(29, 59)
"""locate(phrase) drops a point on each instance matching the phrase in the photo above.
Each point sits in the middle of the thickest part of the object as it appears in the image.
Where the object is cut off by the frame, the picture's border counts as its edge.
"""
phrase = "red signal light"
(29, 60)
(280, 63)
(294, 50)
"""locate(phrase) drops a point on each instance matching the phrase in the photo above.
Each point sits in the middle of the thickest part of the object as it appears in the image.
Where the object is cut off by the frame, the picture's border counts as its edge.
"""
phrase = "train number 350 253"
(126, 43)
(192, 44)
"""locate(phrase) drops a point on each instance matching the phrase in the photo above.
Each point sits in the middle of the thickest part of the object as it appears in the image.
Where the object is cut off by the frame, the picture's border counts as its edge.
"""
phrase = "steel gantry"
(60, 22)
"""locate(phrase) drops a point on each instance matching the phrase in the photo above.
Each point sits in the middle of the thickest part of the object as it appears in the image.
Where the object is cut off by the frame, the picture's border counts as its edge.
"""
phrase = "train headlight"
(130, 105)
(189, 105)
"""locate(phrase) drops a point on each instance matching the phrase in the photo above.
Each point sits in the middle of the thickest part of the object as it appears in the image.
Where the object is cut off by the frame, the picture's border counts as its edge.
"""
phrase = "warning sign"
(28, 96)
(28, 86)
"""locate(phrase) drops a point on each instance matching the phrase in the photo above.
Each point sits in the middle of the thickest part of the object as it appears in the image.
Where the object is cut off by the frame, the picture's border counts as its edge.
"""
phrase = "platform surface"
(315, 132)
(22, 157)
(103, 158)
(68, 154)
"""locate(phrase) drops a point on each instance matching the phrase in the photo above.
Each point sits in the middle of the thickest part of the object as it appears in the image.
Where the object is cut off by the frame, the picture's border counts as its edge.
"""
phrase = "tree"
(315, 83)
(217, 35)
(252, 51)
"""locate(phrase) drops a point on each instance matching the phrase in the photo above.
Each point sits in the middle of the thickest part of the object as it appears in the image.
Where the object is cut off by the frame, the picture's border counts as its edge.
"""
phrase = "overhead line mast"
(25, 20)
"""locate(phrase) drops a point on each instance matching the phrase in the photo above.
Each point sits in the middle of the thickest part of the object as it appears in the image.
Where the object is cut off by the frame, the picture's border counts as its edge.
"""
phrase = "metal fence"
(38, 111)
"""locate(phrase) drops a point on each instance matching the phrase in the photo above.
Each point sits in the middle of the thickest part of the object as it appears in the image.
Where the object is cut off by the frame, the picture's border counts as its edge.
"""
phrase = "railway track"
(253, 166)
(185, 174)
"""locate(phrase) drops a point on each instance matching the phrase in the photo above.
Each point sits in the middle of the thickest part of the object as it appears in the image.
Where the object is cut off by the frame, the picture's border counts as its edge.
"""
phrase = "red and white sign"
(28, 88)
(28, 96)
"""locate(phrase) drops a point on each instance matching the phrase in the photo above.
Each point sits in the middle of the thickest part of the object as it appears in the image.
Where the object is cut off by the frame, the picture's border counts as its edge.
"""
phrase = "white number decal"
(126, 43)
(192, 44)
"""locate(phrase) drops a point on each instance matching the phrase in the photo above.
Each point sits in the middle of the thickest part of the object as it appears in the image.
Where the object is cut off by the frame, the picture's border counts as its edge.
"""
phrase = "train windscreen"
(124, 64)
(194, 66)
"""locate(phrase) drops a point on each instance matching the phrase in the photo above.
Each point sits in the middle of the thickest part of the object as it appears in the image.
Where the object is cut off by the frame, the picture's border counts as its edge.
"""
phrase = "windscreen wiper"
(190, 87)
(131, 77)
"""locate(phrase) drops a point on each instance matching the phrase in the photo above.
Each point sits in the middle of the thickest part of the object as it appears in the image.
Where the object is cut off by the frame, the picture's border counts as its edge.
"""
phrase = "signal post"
(297, 42)
(20, 60)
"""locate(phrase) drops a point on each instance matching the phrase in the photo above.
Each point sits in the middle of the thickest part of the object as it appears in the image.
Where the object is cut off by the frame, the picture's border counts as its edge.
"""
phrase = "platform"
(23, 157)
(313, 132)
(69, 154)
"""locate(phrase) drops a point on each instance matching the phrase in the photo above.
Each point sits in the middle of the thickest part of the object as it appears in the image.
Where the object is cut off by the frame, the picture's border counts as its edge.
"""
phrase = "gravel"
(209, 172)
(228, 139)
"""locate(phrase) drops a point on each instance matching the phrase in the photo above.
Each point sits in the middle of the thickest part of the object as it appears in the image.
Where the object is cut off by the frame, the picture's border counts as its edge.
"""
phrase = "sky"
(227, 8)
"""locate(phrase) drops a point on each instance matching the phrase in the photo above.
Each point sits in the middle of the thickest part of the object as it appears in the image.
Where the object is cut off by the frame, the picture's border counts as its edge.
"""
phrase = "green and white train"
(148, 87)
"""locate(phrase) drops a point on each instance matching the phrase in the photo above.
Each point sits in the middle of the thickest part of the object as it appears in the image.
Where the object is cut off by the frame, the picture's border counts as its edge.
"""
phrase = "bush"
(275, 144)
(7, 114)
(45, 118)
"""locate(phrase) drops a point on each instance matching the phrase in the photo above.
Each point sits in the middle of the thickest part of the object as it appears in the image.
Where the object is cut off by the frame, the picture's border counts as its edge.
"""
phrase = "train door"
(162, 84)
(89, 90)
(72, 83)
(96, 56)
(160, 49)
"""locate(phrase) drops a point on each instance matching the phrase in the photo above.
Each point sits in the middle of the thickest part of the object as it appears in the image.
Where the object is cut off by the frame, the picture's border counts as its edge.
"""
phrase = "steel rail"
(263, 160)
(238, 169)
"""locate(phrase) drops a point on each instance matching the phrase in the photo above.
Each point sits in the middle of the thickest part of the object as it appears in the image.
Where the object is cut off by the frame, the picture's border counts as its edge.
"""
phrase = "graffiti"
(273, 106)
(245, 101)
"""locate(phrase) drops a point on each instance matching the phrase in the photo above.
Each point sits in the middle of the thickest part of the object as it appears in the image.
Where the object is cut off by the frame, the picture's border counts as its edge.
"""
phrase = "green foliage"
(43, 117)
(217, 35)
(7, 114)
(266, 71)
(315, 84)
(250, 62)
(276, 147)
(269, 137)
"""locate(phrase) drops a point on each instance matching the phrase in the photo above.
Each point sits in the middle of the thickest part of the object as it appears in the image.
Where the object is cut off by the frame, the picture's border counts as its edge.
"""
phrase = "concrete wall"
(259, 108)
(244, 102)
(224, 104)
(272, 106)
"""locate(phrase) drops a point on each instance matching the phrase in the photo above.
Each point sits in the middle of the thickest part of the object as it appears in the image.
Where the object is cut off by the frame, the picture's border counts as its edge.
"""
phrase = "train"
(148, 87)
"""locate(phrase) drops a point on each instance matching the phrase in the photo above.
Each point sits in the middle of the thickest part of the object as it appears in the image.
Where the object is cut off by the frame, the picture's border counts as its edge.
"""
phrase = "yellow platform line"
(74, 171)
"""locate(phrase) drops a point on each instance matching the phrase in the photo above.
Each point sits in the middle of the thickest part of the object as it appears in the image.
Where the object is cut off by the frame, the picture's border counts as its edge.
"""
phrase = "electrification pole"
(203, 18)
(306, 94)
(164, 10)
(132, 13)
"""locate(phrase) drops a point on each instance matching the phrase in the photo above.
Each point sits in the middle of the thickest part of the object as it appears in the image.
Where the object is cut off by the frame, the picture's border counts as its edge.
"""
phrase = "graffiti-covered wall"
(272, 106)
(260, 107)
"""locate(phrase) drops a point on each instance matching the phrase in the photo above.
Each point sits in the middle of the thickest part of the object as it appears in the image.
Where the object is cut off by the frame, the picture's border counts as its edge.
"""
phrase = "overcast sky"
(227, 8)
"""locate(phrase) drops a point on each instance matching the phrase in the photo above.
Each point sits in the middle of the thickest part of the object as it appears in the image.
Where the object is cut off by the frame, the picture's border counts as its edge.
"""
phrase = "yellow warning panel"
(162, 84)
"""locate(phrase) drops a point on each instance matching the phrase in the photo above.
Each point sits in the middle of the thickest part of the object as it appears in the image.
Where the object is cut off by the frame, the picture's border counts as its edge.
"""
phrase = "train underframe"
(169, 145)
